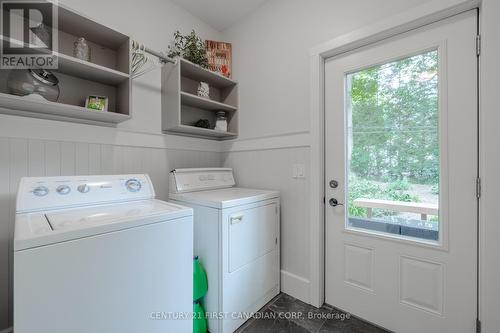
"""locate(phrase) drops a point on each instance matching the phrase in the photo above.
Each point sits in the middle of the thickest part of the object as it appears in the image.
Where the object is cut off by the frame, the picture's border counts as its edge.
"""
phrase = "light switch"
(299, 171)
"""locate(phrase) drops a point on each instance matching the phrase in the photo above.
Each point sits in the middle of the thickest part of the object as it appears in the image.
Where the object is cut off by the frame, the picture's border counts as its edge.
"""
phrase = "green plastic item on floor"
(199, 318)
(200, 283)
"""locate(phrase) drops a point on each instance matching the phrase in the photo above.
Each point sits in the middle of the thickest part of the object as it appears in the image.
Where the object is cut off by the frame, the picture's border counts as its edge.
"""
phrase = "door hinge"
(478, 325)
(478, 187)
(478, 45)
(324, 200)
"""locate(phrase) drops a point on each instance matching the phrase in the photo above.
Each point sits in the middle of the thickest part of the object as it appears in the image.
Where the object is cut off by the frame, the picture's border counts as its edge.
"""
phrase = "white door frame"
(415, 18)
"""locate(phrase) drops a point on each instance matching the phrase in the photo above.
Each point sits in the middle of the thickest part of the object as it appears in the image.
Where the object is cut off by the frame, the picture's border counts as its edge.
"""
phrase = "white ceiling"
(219, 14)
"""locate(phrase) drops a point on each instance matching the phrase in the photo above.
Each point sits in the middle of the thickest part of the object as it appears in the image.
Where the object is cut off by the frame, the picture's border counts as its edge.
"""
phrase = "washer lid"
(39, 229)
(100, 215)
(225, 198)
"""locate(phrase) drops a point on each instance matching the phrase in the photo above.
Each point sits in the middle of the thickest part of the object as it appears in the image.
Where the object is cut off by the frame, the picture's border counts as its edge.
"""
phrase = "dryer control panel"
(44, 193)
(189, 180)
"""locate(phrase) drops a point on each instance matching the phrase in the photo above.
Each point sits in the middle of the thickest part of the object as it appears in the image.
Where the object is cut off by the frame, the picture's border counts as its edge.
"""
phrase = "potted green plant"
(190, 47)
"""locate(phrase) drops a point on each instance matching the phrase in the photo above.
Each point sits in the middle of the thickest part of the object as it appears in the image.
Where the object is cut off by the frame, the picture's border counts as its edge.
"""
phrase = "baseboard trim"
(295, 286)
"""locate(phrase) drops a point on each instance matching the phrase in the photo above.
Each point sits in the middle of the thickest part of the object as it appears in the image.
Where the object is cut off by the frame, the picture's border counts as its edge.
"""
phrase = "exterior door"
(401, 170)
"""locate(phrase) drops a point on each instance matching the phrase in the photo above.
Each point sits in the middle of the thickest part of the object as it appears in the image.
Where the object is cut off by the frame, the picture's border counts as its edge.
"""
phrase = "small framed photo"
(99, 103)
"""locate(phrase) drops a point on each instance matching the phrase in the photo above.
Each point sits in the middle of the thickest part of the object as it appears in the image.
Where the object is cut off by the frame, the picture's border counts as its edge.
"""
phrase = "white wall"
(490, 169)
(271, 62)
(271, 56)
(30, 147)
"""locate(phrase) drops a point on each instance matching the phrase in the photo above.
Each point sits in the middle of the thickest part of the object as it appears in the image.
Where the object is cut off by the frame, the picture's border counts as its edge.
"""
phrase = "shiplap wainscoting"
(271, 168)
(29, 157)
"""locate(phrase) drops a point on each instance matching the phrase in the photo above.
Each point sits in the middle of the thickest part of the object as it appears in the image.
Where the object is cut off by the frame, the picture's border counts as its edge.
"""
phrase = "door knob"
(334, 202)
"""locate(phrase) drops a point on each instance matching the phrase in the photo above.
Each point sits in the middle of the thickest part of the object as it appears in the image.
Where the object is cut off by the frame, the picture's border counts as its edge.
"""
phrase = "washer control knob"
(41, 191)
(133, 185)
(84, 188)
(63, 189)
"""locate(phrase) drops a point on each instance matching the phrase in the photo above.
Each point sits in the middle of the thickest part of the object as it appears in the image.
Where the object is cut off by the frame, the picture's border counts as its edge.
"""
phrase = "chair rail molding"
(276, 141)
(414, 18)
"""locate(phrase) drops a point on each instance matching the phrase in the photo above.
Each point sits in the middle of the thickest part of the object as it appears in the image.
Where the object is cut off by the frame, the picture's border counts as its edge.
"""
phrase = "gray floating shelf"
(198, 73)
(89, 71)
(28, 107)
(204, 103)
(203, 132)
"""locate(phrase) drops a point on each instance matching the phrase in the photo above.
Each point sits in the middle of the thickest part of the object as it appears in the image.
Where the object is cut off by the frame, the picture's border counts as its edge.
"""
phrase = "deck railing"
(424, 209)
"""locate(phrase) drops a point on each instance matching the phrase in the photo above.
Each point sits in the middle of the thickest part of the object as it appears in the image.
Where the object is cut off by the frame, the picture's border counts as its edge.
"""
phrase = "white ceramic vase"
(203, 90)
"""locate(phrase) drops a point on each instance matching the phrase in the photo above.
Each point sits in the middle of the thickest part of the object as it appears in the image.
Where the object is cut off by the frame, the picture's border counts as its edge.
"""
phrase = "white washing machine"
(99, 254)
(237, 238)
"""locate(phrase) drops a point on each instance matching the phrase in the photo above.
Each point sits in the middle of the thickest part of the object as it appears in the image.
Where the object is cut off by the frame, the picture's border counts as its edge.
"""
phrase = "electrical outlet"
(298, 171)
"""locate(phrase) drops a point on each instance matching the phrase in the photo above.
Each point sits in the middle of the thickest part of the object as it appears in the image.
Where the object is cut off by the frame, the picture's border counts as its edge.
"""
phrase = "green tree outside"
(393, 131)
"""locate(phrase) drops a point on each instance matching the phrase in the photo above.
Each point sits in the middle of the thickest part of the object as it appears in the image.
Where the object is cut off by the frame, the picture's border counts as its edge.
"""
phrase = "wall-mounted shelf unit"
(107, 74)
(181, 107)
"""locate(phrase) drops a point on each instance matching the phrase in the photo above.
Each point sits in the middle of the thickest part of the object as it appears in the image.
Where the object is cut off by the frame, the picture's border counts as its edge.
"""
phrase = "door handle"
(236, 219)
(334, 202)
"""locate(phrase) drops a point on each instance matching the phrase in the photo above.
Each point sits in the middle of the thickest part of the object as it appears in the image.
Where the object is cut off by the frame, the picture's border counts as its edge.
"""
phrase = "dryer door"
(252, 234)
(251, 267)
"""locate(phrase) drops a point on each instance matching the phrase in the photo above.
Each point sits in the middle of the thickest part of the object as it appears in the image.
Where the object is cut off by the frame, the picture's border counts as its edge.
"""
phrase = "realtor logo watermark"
(29, 34)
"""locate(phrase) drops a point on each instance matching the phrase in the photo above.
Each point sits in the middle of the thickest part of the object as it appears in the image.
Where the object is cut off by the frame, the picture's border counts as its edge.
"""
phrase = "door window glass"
(393, 147)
